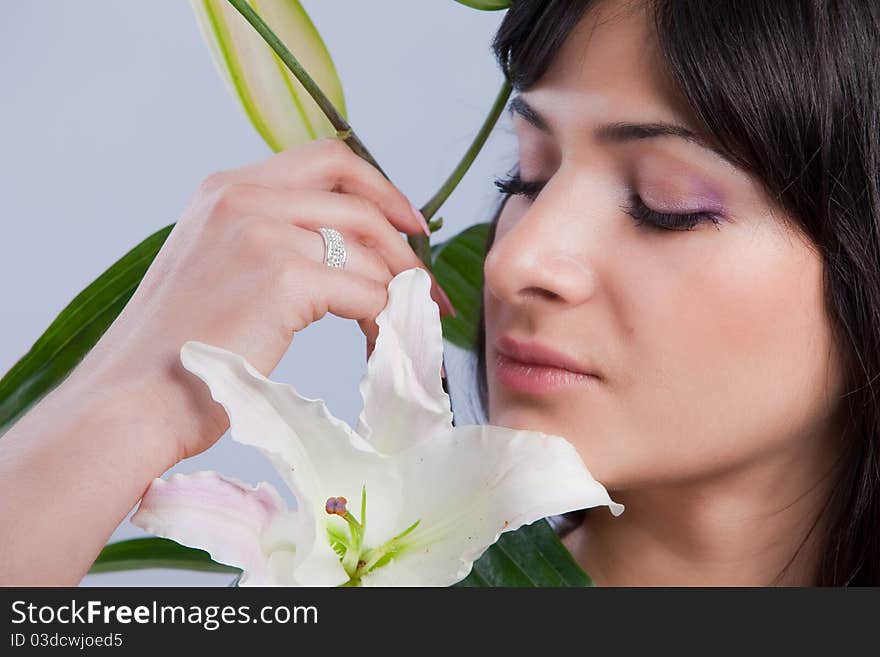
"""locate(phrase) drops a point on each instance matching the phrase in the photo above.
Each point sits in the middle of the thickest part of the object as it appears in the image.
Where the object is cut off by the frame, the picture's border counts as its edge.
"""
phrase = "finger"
(353, 216)
(309, 288)
(348, 295)
(329, 165)
(283, 249)
(359, 259)
(357, 216)
(371, 332)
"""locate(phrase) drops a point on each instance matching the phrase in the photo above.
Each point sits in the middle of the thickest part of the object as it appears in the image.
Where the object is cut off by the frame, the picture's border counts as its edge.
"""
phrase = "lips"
(535, 353)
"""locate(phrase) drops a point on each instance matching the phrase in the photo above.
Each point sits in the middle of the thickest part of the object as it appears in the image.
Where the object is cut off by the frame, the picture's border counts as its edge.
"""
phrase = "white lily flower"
(430, 497)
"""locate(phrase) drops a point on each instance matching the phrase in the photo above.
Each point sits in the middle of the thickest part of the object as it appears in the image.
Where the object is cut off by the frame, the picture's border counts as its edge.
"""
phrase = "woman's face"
(712, 345)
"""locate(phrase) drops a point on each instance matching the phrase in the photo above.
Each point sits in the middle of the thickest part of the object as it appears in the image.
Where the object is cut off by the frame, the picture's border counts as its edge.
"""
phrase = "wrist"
(124, 413)
(169, 409)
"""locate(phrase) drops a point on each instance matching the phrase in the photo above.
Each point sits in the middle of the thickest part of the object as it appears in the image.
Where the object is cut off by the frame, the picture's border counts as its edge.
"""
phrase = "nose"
(539, 257)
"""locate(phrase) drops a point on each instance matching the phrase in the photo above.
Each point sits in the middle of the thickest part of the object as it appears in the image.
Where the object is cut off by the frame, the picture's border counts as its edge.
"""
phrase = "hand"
(243, 270)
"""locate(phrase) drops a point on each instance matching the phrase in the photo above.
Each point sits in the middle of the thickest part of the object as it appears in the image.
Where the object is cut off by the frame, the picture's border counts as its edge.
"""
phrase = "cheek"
(733, 356)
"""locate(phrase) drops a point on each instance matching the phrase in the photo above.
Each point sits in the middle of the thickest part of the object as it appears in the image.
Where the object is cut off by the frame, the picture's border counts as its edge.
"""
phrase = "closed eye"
(514, 185)
(643, 215)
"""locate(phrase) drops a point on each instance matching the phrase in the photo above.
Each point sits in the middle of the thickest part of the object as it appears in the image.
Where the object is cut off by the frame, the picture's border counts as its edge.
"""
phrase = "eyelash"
(513, 185)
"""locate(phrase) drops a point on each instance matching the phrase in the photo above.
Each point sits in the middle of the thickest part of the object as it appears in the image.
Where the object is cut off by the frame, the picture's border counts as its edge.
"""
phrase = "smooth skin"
(241, 270)
(718, 417)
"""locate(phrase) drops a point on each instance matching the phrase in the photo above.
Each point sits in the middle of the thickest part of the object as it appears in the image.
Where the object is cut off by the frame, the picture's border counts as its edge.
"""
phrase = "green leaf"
(273, 99)
(75, 331)
(458, 267)
(530, 556)
(486, 5)
(138, 553)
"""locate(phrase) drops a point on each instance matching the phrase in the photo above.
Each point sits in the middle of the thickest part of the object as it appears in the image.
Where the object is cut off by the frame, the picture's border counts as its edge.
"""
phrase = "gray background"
(112, 112)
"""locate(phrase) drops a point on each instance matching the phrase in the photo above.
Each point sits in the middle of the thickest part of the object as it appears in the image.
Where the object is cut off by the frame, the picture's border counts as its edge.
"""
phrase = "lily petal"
(273, 99)
(317, 454)
(231, 521)
(404, 400)
(473, 483)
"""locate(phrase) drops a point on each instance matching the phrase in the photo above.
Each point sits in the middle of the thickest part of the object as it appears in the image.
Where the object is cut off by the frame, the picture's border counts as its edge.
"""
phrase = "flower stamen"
(336, 506)
(356, 560)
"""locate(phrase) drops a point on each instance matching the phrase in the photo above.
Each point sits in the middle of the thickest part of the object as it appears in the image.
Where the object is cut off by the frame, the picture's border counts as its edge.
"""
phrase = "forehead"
(610, 68)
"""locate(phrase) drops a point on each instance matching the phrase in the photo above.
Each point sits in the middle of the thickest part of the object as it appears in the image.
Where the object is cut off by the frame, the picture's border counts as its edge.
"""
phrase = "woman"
(690, 231)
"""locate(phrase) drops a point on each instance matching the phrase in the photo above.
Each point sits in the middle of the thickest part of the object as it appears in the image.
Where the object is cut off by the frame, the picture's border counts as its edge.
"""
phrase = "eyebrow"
(618, 131)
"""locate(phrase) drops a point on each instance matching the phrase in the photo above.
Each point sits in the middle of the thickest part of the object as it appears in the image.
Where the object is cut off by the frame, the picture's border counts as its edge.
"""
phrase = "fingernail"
(446, 300)
(421, 219)
(442, 370)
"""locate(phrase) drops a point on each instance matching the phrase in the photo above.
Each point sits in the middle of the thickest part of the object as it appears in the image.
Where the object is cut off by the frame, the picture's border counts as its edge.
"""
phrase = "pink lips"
(534, 368)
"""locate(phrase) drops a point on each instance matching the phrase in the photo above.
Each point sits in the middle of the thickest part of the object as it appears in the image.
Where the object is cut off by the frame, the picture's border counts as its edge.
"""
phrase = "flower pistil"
(356, 560)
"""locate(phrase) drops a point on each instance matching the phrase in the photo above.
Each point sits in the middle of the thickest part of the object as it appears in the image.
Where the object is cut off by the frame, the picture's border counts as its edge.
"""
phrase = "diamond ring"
(334, 248)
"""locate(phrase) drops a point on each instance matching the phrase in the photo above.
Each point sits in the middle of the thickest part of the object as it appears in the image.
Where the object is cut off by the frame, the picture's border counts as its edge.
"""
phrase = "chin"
(603, 459)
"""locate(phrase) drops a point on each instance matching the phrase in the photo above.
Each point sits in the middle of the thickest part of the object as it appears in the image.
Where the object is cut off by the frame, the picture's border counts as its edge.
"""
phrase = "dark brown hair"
(791, 92)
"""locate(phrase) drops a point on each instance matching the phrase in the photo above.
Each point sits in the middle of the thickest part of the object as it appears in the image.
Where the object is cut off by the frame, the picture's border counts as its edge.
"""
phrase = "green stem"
(431, 207)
